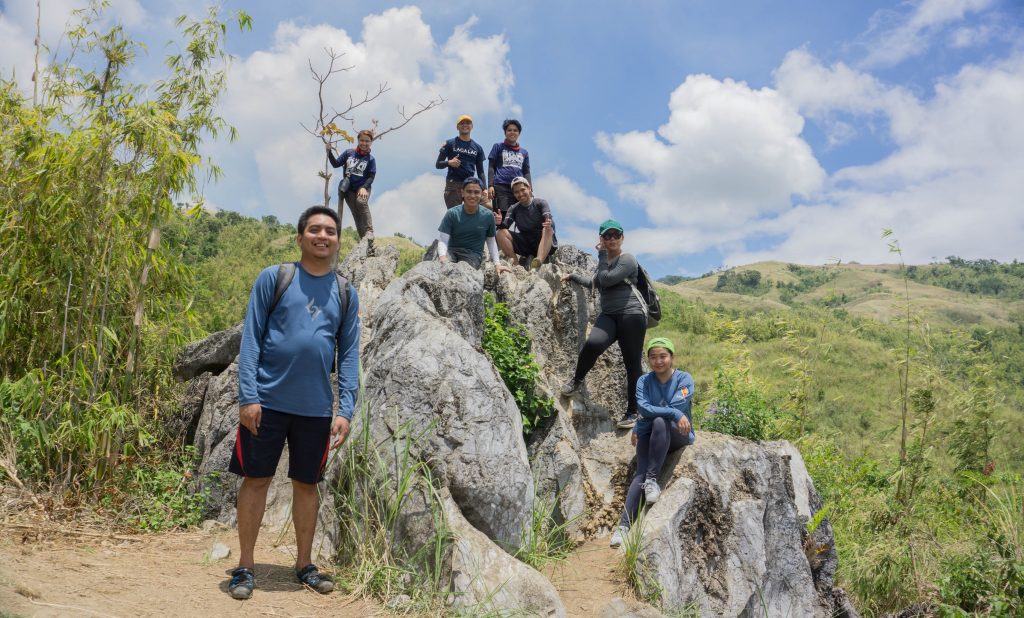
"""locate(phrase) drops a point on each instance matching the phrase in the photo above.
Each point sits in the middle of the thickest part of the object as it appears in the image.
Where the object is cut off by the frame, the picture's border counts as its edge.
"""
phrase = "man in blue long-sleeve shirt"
(284, 391)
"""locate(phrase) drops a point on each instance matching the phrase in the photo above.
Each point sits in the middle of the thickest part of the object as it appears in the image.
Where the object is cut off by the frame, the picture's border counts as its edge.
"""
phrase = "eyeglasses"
(611, 235)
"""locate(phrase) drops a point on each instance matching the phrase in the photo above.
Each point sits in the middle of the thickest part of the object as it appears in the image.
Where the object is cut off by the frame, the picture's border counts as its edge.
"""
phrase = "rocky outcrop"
(425, 367)
(212, 354)
(728, 534)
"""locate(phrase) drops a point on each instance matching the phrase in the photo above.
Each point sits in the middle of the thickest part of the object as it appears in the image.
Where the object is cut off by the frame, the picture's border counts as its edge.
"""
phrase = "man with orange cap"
(460, 155)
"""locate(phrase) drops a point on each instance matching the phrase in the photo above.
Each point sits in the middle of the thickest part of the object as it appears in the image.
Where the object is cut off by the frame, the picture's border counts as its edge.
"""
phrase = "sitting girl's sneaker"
(651, 491)
(619, 535)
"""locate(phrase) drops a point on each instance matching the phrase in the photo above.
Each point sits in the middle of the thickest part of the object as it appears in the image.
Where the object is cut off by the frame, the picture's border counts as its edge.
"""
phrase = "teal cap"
(610, 224)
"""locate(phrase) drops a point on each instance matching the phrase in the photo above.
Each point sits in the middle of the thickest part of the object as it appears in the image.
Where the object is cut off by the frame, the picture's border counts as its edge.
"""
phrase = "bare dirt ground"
(87, 573)
(70, 566)
(587, 580)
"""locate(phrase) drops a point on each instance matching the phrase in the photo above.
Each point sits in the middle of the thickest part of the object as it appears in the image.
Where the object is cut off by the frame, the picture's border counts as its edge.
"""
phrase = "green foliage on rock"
(508, 347)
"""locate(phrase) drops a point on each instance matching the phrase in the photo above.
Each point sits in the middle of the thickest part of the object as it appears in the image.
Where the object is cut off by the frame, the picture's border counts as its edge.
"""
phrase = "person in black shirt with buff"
(528, 228)
(462, 156)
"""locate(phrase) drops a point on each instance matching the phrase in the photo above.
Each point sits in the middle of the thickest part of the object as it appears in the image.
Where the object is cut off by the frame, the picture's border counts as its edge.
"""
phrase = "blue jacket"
(671, 401)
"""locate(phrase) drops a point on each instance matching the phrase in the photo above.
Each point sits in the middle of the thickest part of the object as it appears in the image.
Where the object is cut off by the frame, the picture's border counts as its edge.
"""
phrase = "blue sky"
(718, 133)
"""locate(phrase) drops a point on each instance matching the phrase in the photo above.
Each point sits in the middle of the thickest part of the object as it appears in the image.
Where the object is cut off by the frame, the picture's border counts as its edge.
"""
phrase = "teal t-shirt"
(467, 231)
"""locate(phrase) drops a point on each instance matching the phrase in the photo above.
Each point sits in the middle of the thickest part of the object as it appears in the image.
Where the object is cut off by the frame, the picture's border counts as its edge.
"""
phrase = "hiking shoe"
(243, 581)
(619, 536)
(571, 387)
(535, 263)
(311, 577)
(627, 421)
(651, 491)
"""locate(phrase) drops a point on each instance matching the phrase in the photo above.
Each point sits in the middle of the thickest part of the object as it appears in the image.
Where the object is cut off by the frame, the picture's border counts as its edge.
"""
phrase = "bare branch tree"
(326, 127)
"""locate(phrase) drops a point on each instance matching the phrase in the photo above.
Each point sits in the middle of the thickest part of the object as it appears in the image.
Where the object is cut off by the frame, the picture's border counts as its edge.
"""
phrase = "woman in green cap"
(663, 396)
(622, 317)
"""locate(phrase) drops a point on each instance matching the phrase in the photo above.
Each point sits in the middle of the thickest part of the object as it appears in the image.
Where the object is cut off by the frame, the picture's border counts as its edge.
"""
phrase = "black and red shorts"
(309, 442)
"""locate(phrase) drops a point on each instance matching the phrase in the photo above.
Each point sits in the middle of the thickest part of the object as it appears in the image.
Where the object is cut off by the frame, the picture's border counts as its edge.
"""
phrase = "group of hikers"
(302, 321)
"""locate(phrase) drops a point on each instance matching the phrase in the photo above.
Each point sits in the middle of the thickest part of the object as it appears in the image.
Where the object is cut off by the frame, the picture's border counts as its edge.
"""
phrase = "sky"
(718, 133)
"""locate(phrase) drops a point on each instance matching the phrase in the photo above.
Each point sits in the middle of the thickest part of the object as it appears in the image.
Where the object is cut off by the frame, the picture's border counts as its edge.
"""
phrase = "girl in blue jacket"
(663, 398)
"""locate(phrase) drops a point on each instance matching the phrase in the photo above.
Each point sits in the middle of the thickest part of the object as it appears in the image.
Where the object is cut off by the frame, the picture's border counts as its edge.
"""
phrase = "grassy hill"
(843, 325)
(876, 292)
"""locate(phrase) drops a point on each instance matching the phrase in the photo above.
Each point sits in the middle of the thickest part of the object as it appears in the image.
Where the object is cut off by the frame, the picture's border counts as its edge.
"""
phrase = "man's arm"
(442, 157)
(442, 247)
(480, 165)
(526, 169)
(348, 357)
(253, 331)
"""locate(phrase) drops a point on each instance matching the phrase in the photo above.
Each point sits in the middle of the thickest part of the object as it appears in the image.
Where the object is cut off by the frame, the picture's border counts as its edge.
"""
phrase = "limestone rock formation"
(424, 366)
(727, 537)
(728, 534)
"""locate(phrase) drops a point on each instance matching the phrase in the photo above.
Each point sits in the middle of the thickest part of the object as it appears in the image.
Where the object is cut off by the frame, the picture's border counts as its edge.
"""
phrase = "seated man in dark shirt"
(527, 230)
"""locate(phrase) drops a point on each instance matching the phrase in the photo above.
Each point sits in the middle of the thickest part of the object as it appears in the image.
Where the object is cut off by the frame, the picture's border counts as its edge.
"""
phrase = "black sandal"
(243, 581)
(311, 577)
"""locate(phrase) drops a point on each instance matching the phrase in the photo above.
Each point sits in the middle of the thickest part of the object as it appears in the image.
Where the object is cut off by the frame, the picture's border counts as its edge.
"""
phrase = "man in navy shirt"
(462, 157)
(507, 160)
(284, 391)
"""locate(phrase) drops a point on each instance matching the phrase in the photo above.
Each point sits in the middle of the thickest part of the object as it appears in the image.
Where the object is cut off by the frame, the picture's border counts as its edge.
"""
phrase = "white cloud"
(414, 208)
(951, 186)
(271, 92)
(569, 201)
(896, 35)
(727, 154)
(822, 92)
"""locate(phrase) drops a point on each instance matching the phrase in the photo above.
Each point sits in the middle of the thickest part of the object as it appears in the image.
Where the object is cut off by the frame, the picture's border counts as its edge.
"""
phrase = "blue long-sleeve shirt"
(286, 357)
(671, 400)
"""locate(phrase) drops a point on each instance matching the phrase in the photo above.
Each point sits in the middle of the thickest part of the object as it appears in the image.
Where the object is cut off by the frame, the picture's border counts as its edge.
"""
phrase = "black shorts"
(309, 442)
(526, 244)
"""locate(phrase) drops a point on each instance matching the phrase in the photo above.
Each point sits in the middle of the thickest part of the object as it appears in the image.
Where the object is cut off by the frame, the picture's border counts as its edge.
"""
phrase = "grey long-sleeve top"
(614, 280)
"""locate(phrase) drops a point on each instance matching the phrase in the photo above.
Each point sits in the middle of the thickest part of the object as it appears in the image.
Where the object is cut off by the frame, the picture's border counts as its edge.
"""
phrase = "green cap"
(661, 342)
(610, 224)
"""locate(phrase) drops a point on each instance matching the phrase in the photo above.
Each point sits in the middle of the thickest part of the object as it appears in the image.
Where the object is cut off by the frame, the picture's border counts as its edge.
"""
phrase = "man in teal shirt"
(465, 228)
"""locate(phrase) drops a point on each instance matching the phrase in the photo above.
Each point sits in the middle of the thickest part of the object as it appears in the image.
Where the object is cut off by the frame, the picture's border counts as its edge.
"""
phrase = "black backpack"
(285, 274)
(648, 296)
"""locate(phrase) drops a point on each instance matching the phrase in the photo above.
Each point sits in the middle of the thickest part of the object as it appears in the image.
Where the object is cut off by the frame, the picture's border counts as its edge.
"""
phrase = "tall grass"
(373, 496)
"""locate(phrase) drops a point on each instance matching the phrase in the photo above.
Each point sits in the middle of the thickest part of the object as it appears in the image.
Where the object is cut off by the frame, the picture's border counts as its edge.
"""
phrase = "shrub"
(739, 406)
(508, 346)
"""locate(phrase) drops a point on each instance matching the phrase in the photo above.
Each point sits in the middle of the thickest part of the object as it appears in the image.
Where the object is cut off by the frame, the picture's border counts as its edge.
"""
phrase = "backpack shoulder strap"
(343, 292)
(285, 274)
(343, 286)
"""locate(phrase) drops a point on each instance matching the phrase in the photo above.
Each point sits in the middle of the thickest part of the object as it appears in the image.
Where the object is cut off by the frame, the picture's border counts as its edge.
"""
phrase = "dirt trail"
(587, 580)
(96, 573)
(164, 574)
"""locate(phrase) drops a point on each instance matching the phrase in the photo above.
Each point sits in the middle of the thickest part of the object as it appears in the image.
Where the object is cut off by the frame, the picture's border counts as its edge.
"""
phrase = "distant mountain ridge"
(873, 291)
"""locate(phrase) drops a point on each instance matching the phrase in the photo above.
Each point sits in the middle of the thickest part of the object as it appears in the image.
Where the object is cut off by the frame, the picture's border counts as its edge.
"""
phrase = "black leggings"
(651, 451)
(629, 331)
